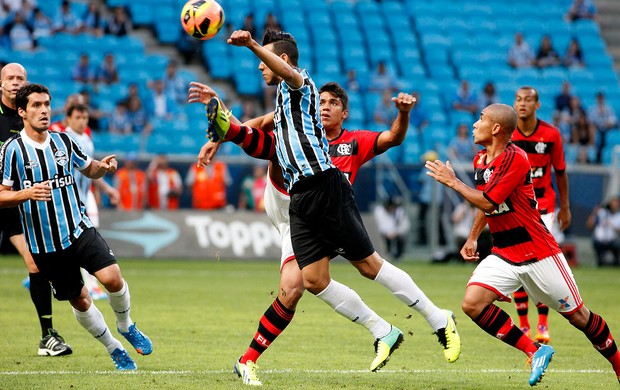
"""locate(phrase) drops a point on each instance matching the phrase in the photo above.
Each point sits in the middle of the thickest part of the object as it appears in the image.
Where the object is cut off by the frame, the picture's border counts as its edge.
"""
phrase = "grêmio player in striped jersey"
(349, 150)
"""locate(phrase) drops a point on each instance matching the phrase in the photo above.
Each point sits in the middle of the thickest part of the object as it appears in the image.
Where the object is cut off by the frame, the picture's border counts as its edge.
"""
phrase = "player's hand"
(441, 172)
(564, 218)
(207, 152)
(240, 38)
(469, 251)
(114, 195)
(40, 192)
(200, 93)
(404, 102)
(109, 163)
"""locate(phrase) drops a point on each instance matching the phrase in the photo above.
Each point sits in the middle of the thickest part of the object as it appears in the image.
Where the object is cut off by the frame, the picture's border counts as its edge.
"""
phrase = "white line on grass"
(282, 371)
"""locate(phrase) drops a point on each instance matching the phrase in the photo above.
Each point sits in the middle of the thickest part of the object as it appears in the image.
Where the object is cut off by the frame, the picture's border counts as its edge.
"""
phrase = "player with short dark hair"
(13, 76)
(543, 144)
(524, 251)
(37, 168)
(349, 150)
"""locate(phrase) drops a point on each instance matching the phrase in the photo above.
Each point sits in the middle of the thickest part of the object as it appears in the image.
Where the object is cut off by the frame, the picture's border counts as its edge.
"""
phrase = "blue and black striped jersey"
(48, 226)
(301, 143)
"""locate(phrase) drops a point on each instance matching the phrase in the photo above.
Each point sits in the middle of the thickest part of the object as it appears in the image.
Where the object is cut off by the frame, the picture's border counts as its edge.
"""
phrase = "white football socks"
(120, 302)
(348, 304)
(404, 288)
(92, 320)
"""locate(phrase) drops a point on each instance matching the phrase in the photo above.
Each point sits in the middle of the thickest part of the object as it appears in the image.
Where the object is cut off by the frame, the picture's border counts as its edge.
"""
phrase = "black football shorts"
(325, 220)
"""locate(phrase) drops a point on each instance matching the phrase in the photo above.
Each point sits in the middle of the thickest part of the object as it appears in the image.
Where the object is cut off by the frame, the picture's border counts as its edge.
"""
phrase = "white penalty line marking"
(287, 371)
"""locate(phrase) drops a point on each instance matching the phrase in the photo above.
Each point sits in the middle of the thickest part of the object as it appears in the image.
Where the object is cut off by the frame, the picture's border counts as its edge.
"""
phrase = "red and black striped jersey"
(519, 234)
(544, 150)
(351, 149)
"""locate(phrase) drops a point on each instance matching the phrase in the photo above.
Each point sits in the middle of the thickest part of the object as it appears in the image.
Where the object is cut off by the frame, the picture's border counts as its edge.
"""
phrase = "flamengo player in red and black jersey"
(524, 251)
(543, 144)
(349, 150)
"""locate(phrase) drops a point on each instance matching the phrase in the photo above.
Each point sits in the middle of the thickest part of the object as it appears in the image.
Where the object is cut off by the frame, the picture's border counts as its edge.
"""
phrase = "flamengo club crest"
(487, 175)
(540, 147)
(344, 150)
(61, 157)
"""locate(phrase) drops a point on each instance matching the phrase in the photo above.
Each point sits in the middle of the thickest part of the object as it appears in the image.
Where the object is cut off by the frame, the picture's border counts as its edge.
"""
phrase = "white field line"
(283, 371)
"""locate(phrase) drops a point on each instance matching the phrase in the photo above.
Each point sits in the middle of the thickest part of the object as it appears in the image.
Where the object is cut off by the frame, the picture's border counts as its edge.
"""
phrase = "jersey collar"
(34, 143)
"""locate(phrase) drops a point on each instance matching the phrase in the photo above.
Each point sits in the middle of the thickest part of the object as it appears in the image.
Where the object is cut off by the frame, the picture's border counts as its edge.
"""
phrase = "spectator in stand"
(26, 6)
(42, 25)
(66, 21)
(138, 117)
(119, 120)
(382, 78)
(426, 197)
(132, 90)
(131, 183)
(165, 185)
(159, 104)
(463, 219)
(488, 96)
(583, 135)
(604, 119)
(118, 23)
(93, 20)
(248, 110)
(562, 100)
(465, 100)
(462, 148)
(547, 56)
(208, 185)
(520, 54)
(271, 23)
(384, 113)
(418, 116)
(573, 58)
(174, 85)
(108, 71)
(94, 119)
(253, 190)
(249, 25)
(393, 225)
(581, 9)
(604, 221)
(352, 84)
(19, 33)
(83, 72)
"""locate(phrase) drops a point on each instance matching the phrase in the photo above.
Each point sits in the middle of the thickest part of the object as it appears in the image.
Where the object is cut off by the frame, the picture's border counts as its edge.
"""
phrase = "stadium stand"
(431, 46)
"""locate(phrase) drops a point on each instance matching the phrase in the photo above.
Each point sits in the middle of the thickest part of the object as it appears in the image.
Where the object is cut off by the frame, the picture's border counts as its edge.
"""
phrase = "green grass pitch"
(201, 316)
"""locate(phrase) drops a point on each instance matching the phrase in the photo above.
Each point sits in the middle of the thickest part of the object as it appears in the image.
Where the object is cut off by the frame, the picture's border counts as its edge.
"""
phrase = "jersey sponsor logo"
(564, 303)
(55, 182)
(61, 157)
(31, 164)
(538, 172)
(540, 147)
(503, 208)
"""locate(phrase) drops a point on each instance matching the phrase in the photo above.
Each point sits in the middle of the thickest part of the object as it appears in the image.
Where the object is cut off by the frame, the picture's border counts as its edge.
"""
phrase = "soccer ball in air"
(202, 19)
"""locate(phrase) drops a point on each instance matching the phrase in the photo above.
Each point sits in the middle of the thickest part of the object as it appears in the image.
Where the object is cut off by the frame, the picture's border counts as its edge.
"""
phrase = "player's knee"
(470, 308)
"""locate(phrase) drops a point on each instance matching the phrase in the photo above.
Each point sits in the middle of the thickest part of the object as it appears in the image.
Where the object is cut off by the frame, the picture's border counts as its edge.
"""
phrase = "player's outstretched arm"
(470, 248)
(207, 152)
(444, 174)
(270, 59)
(396, 135)
(98, 169)
(111, 192)
(564, 214)
(202, 93)
(39, 192)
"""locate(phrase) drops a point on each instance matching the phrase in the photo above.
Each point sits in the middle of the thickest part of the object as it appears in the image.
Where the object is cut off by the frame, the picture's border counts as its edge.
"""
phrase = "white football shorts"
(549, 281)
(276, 206)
